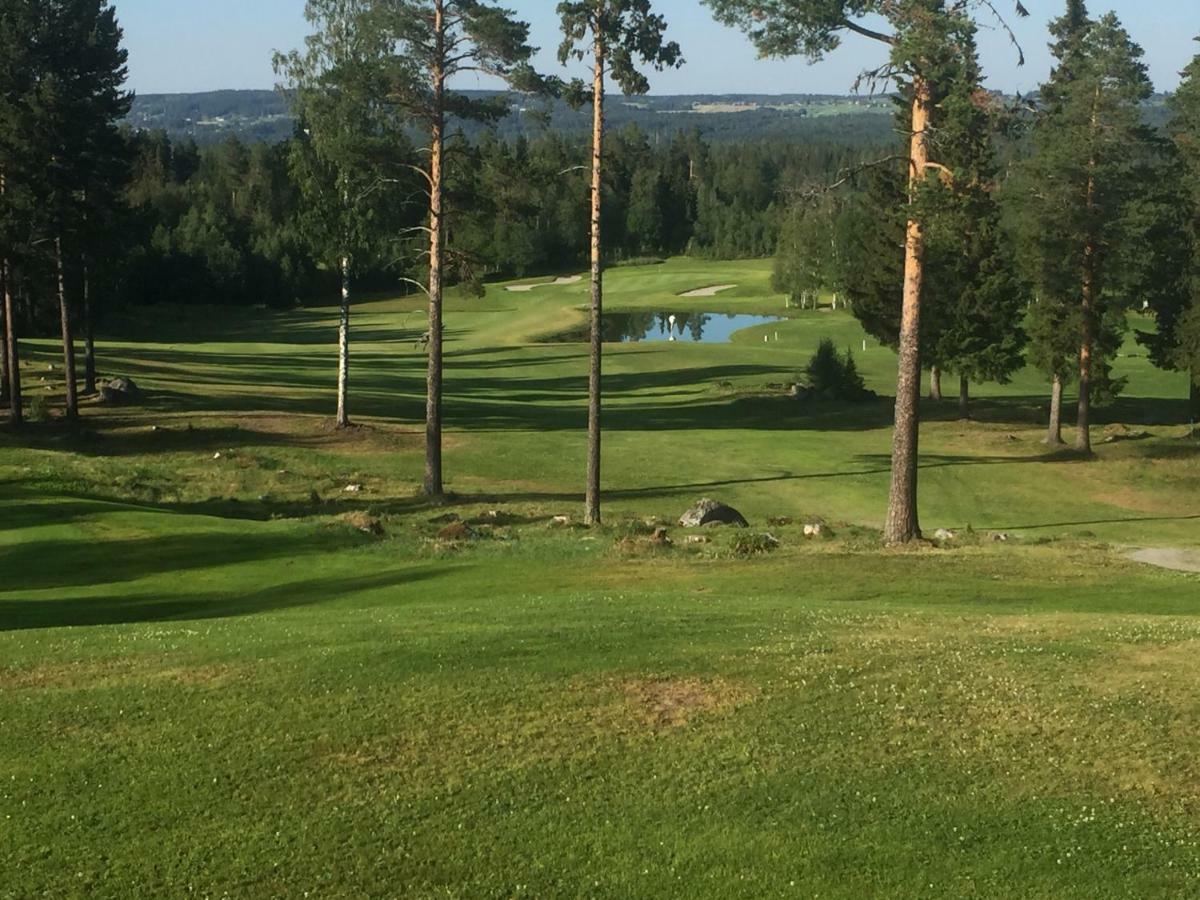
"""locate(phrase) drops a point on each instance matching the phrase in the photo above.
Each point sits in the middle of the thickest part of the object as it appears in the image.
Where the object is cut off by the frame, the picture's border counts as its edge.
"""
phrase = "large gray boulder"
(120, 390)
(712, 512)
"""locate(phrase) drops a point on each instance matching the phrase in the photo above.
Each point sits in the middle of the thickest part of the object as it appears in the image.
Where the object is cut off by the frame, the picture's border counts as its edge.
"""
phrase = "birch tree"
(346, 155)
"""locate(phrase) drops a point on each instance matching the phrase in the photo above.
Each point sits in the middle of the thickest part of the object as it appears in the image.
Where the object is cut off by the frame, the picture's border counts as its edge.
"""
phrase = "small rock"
(712, 512)
(943, 534)
(814, 529)
(352, 489)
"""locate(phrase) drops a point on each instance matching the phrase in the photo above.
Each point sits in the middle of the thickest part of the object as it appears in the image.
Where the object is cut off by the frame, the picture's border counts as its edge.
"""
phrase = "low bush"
(832, 376)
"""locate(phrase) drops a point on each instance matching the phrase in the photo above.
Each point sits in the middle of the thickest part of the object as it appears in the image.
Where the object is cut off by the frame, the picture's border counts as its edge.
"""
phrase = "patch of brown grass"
(362, 521)
(107, 673)
(661, 703)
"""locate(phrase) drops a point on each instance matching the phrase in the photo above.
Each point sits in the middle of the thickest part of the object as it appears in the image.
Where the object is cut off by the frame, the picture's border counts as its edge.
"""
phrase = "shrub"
(750, 544)
(832, 376)
(38, 409)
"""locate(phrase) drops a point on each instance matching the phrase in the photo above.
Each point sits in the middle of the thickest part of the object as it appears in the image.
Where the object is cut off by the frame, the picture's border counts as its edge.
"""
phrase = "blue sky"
(189, 46)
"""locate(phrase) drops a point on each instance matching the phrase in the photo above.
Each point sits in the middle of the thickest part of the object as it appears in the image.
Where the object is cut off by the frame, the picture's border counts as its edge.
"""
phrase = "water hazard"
(639, 327)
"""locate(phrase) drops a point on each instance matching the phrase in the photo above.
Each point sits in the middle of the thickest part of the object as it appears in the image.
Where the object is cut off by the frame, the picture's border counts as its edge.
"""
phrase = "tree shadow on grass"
(120, 609)
(1132, 520)
(48, 564)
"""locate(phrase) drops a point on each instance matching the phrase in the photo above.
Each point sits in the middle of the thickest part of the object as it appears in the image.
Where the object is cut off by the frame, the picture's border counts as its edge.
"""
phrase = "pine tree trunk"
(591, 514)
(1054, 432)
(4, 355)
(964, 397)
(67, 338)
(433, 394)
(11, 349)
(902, 523)
(1194, 401)
(343, 388)
(1083, 437)
(89, 336)
(935, 384)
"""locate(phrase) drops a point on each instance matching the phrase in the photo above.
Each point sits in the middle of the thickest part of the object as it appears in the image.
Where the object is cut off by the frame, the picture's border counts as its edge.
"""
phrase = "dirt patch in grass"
(362, 521)
(662, 703)
(108, 673)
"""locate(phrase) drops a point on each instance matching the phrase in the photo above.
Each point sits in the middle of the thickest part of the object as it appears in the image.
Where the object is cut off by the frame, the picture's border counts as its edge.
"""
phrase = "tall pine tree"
(430, 43)
(926, 38)
(616, 36)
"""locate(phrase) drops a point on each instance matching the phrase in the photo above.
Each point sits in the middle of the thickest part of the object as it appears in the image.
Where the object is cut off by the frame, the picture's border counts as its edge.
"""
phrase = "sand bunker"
(1168, 558)
(710, 291)
(568, 279)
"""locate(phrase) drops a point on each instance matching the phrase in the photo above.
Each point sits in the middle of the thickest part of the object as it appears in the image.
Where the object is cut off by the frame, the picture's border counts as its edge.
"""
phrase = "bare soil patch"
(661, 703)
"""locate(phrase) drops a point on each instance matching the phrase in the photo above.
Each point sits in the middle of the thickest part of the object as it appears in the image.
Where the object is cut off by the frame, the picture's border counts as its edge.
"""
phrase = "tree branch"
(868, 33)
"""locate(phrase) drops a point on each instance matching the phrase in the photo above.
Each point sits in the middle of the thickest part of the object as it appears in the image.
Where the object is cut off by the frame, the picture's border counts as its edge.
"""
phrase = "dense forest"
(227, 223)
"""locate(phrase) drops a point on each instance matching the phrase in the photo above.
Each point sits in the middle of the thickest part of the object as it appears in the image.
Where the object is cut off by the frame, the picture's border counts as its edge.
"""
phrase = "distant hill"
(264, 116)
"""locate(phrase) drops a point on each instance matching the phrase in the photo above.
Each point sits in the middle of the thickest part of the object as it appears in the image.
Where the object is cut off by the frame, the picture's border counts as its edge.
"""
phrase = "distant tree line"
(229, 223)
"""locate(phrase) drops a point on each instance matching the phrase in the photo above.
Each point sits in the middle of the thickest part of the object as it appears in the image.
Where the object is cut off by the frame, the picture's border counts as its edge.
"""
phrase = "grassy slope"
(211, 683)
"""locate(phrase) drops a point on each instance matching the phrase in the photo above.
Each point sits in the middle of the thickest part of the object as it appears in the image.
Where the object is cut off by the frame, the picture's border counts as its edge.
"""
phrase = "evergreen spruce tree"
(1169, 245)
(1077, 187)
(18, 175)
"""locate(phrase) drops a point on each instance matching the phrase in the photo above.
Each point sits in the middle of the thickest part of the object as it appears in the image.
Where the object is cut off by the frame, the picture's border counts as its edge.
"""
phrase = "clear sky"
(178, 46)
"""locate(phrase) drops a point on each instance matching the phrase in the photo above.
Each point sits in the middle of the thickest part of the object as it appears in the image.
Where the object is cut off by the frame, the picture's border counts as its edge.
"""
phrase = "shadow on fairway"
(1132, 520)
(116, 609)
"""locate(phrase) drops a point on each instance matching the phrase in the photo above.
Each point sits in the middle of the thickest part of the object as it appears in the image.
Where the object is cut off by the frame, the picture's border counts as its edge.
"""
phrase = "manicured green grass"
(213, 683)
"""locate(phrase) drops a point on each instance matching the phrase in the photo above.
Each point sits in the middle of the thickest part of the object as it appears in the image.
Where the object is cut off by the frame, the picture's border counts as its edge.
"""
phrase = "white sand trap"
(557, 282)
(1169, 558)
(710, 291)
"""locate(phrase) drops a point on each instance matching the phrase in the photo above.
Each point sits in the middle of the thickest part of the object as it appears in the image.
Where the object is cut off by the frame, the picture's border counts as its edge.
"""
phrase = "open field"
(214, 682)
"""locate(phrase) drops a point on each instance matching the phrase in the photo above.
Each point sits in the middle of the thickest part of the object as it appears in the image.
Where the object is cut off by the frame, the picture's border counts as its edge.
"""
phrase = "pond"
(701, 328)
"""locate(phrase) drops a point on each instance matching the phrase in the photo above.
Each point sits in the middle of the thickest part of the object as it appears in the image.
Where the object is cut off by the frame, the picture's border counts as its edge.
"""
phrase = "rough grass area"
(224, 674)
